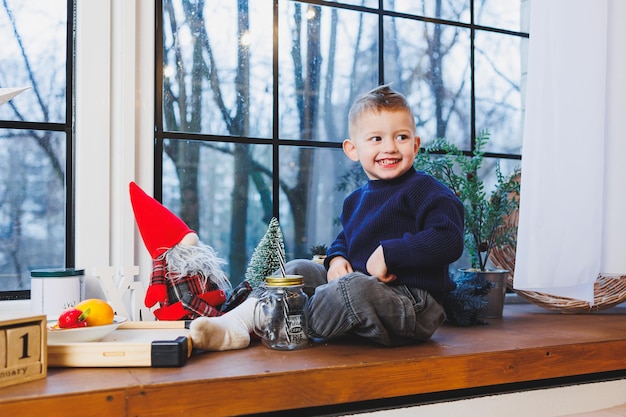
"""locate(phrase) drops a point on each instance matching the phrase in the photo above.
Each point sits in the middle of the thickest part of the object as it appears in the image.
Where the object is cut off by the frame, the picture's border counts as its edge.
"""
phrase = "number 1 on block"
(23, 345)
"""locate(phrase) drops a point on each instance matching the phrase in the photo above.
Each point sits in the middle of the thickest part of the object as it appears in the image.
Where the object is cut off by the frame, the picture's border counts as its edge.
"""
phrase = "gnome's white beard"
(200, 260)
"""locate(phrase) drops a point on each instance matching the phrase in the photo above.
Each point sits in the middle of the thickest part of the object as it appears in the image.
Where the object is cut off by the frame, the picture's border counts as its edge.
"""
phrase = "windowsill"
(528, 348)
(15, 308)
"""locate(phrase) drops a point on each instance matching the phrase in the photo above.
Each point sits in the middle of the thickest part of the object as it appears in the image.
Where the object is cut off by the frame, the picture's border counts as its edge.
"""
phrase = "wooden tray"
(133, 344)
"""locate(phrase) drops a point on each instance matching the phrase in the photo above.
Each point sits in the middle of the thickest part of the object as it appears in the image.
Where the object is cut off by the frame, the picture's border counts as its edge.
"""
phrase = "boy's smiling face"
(384, 142)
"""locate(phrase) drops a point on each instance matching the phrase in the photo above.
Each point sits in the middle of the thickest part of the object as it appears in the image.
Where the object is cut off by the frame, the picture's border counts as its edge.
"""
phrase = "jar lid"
(56, 272)
(286, 281)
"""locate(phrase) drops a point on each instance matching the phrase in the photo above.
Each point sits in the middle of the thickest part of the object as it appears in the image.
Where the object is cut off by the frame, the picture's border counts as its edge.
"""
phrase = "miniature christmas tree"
(268, 256)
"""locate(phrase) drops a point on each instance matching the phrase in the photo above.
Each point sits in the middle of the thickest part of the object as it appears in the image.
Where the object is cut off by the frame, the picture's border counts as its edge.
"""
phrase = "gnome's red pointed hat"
(160, 228)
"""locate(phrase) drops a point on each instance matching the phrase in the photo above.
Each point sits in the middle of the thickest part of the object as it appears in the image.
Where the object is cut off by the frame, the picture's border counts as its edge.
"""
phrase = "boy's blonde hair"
(380, 98)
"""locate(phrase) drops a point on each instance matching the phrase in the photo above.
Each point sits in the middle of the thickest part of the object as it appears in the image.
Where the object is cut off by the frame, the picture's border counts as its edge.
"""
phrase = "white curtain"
(572, 217)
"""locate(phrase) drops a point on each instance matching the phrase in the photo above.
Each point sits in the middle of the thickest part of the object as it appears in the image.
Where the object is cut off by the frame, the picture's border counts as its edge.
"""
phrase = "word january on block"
(23, 354)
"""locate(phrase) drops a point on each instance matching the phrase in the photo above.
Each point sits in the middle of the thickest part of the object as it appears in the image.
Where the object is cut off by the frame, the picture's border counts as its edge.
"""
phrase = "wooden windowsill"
(528, 344)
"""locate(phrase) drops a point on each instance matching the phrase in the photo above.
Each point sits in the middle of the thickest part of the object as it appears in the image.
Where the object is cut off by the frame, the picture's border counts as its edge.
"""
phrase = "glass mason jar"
(279, 314)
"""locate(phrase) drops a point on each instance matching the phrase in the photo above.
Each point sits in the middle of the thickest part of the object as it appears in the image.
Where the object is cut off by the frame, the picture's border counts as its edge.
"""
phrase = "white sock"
(227, 332)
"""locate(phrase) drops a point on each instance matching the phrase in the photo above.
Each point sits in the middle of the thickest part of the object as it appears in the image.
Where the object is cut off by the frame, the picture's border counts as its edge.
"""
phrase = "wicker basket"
(609, 290)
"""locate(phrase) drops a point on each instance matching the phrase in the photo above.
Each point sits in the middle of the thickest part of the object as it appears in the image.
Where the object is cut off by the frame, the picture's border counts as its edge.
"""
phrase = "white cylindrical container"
(54, 290)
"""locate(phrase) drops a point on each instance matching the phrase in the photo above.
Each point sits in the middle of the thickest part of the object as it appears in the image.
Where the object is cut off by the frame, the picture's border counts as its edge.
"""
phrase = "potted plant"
(485, 212)
(318, 252)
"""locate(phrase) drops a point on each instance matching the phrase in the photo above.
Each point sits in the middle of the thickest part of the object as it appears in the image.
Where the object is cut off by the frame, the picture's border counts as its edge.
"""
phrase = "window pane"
(32, 204)
(430, 64)
(327, 56)
(213, 59)
(223, 191)
(503, 14)
(310, 200)
(312, 178)
(454, 10)
(498, 93)
(33, 49)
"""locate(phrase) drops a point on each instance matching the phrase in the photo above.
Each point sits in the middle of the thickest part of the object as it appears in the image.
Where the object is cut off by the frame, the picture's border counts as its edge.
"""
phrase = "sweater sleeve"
(338, 248)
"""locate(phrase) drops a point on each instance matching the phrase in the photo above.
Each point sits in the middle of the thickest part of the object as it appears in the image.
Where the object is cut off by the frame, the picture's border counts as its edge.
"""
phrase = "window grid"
(67, 127)
(161, 134)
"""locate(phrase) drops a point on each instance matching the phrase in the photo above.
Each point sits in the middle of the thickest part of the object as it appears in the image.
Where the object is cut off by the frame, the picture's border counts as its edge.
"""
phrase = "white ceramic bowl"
(58, 336)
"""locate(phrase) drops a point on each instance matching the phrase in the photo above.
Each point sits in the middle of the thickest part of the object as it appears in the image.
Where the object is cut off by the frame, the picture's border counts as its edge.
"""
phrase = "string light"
(246, 38)
(310, 13)
(168, 71)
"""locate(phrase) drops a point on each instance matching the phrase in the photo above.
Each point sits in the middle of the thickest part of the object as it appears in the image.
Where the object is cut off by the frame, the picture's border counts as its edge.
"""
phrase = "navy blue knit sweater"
(417, 220)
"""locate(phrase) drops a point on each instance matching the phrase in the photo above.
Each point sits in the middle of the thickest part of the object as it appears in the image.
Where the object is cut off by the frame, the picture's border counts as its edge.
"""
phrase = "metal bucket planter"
(495, 296)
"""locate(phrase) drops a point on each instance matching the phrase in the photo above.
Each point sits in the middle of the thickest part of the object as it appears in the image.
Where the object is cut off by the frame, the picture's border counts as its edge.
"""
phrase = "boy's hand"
(377, 267)
(338, 267)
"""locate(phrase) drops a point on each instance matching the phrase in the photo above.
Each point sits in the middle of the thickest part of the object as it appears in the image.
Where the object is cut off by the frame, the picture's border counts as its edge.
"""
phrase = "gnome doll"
(187, 279)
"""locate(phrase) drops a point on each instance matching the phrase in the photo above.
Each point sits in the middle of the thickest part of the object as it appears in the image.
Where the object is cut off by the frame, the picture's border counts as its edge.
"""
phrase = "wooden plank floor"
(528, 344)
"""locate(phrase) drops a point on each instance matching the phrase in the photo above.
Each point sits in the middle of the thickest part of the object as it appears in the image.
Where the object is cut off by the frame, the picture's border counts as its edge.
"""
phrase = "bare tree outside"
(32, 140)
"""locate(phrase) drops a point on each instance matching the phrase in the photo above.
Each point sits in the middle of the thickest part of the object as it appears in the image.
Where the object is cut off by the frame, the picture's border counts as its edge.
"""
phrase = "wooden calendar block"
(23, 350)
(3, 351)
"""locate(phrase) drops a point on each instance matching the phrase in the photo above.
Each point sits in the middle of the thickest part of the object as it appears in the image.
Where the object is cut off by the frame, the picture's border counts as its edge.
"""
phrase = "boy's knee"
(360, 286)
(313, 273)
(302, 266)
(341, 292)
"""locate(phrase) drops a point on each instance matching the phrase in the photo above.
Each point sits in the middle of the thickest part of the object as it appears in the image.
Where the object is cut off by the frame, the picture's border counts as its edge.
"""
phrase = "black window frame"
(68, 127)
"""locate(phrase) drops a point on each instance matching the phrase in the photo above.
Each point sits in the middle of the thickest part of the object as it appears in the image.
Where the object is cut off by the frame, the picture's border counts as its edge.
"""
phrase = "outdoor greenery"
(319, 249)
(484, 212)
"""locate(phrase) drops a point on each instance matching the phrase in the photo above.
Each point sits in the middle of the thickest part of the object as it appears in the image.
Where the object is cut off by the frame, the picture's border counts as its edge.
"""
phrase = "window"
(253, 99)
(36, 141)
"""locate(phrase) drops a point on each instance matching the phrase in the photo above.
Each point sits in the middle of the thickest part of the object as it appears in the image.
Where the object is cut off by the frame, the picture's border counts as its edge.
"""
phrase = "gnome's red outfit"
(186, 280)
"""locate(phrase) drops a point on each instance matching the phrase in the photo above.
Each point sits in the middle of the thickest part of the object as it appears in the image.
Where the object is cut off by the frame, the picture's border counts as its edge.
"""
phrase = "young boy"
(386, 273)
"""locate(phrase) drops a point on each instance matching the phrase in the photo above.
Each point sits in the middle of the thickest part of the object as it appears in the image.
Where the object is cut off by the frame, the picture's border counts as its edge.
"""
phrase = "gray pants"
(360, 304)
